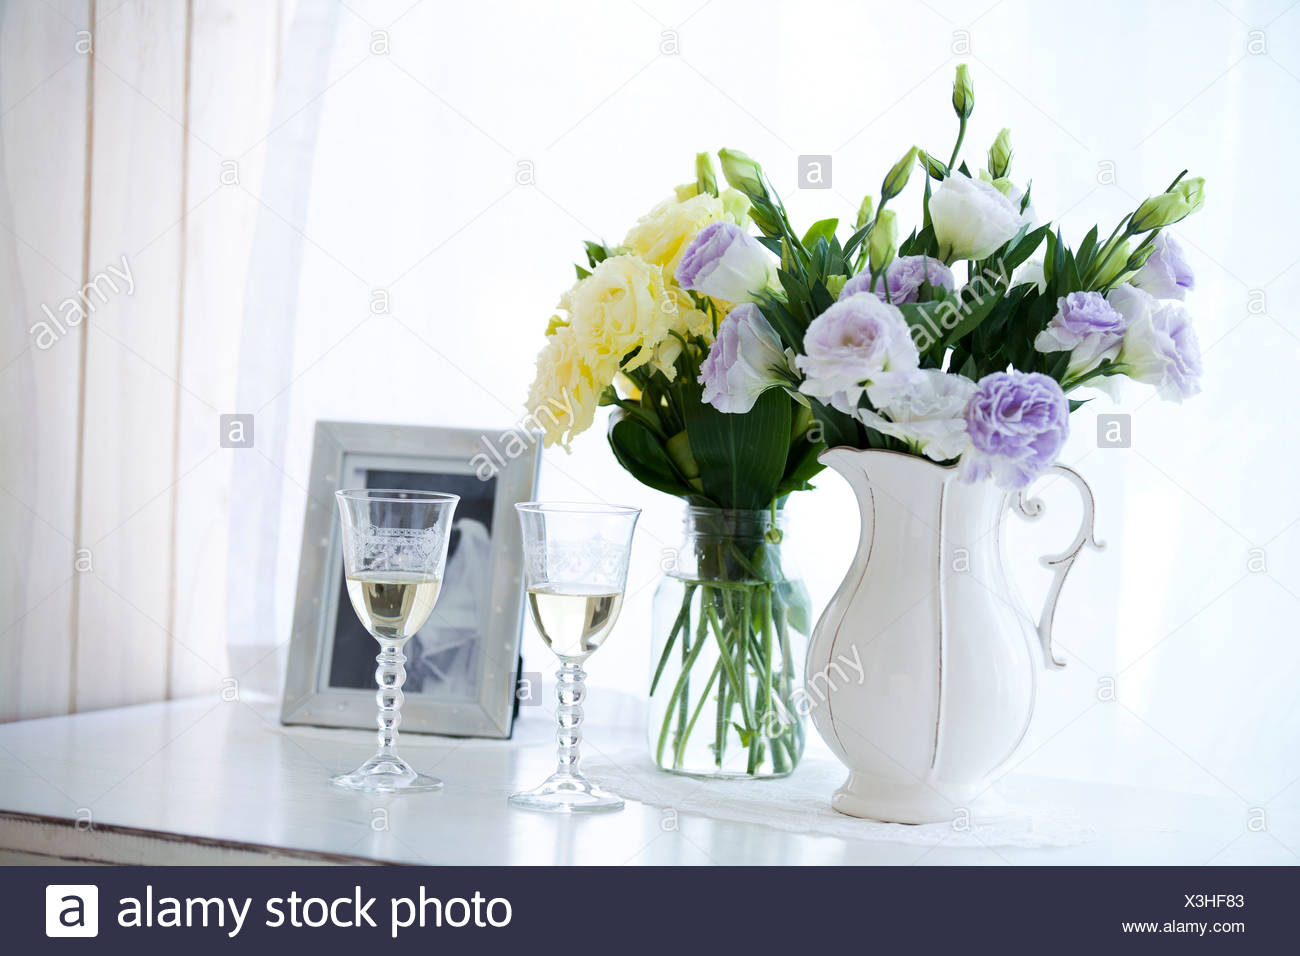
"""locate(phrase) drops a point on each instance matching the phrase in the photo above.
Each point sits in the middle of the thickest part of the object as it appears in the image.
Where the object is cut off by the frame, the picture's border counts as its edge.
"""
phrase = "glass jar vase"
(729, 631)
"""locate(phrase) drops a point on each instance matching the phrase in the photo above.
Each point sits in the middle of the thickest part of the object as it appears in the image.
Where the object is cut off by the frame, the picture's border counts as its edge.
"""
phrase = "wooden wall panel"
(111, 174)
(43, 108)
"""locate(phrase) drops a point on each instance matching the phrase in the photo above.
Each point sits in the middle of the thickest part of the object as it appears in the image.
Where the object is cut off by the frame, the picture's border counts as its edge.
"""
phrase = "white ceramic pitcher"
(922, 671)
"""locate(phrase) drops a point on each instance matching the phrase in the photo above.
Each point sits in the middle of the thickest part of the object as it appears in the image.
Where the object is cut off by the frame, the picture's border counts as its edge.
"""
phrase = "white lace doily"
(800, 803)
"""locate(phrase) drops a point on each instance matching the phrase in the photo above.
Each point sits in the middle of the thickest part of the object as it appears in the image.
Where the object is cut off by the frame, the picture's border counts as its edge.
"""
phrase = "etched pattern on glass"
(396, 549)
(594, 562)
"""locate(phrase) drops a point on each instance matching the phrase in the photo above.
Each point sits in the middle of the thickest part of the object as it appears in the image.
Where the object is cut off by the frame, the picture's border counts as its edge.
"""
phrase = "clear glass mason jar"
(729, 633)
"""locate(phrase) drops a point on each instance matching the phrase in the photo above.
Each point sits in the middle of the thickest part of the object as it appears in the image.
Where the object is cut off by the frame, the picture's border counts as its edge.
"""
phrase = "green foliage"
(742, 458)
(643, 454)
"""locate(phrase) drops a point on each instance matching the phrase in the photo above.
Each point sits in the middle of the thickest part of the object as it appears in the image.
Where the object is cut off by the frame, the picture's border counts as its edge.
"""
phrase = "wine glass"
(394, 552)
(575, 571)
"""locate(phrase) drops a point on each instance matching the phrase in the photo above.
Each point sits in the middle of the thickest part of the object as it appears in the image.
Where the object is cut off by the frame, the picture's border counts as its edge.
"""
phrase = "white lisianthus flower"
(725, 263)
(1165, 274)
(972, 218)
(1013, 192)
(1161, 349)
(858, 341)
(925, 408)
(1131, 302)
(1031, 271)
(746, 359)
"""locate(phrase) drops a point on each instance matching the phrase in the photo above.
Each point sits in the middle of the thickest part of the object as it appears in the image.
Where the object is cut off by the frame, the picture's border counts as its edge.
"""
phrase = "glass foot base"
(381, 774)
(567, 794)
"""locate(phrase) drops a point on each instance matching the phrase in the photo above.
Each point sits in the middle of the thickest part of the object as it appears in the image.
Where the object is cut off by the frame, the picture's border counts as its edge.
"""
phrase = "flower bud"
(963, 92)
(1116, 264)
(883, 241)
(706, 180)
(1139, 258)
(864, 213)
(897, 178)
(835, 285)
(742, 173)
(1000, 155)
(1168, 208)
(679, 450)
(1192, 190)
(935, 168)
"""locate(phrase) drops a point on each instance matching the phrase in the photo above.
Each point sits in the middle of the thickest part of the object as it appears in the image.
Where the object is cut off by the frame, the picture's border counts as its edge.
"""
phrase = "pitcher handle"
(1032, 509)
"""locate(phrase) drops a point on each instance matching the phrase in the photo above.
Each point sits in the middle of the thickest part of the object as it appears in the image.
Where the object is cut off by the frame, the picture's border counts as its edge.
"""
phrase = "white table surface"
(199, 781)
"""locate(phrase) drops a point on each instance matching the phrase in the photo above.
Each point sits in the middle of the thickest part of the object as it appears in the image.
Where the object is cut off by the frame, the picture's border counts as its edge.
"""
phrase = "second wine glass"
(575, 571)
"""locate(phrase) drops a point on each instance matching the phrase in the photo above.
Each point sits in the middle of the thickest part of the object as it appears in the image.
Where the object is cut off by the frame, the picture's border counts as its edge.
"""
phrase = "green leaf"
(741, 457)
(924, 321)
(821, 229)
(801, 466)
(973, 312)
(838, 429)
(926, 244)
(644, 457)
(855, 240)
(798, 605)
(1023, 249)
(780, 318)
(596, 253)
(1086, 249)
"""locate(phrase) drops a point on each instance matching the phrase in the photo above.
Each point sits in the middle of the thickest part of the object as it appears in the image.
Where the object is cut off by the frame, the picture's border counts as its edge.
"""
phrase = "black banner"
(632, 910)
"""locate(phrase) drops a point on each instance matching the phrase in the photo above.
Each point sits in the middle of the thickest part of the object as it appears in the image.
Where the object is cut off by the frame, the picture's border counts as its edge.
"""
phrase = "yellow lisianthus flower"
(622, 307)
(563, 398)
(620, 317)
(661, 236)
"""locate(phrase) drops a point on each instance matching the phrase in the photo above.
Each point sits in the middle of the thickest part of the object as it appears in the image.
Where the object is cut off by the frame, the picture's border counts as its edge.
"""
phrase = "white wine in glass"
(394, 553)
(571, 622)
(396, 603)
(575, 571)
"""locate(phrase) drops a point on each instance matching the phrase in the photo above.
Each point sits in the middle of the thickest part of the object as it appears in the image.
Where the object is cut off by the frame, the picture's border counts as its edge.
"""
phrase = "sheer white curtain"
(427, 175)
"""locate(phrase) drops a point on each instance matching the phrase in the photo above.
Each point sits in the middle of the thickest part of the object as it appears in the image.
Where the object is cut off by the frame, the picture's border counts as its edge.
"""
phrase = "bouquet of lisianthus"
(892, 352)
(734, 360)
(630, 334)
(634, 333)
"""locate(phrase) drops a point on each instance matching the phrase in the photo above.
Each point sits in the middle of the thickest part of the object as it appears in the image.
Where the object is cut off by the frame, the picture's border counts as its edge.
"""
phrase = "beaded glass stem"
(390, 675)
(575, 570)
(394, 553)
(570, 691)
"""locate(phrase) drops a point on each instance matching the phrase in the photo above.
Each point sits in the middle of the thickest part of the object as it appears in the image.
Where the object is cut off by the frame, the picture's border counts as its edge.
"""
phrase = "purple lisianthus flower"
(1016, 423)
(725, 262)
(1166, 274)
(745, 360)
(857, 341)
(1086, 326)
(903, 278)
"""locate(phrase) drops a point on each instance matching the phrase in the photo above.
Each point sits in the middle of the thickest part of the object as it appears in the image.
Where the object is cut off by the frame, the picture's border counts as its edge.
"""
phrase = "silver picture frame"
(462, 677)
